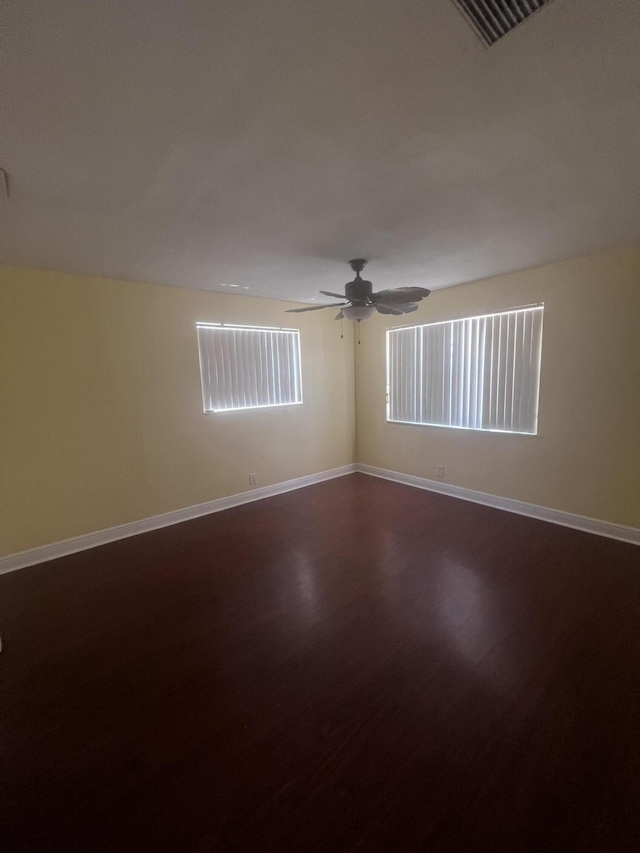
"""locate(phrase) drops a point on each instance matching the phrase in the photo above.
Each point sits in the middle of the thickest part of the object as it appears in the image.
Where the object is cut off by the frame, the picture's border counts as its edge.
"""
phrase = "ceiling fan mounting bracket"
(357, 264)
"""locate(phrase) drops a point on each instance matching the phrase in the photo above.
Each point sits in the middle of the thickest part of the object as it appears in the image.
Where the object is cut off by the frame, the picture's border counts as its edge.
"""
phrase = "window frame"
(538, 369)
(296, 379)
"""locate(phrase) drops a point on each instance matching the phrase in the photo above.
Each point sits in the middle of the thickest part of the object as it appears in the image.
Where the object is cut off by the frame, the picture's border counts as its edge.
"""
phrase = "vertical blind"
(475, 373)
(248, 367)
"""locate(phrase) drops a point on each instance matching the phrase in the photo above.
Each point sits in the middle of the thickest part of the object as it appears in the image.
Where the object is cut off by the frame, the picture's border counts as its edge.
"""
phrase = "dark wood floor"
(355, 666)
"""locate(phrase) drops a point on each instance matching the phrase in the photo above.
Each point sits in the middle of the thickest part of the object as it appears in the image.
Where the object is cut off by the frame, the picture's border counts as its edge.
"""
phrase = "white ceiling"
(207, 143)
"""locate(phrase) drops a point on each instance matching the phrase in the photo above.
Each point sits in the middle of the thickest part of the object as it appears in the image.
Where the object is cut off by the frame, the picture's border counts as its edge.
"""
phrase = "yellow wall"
(101, 418)
(586, 456)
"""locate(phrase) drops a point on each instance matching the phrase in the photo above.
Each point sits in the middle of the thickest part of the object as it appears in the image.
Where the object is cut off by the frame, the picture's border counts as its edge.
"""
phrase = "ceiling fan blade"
(409, 307)
(398, 295)
(315, 307)
(387, 309)
(339, 316)
(328, 293)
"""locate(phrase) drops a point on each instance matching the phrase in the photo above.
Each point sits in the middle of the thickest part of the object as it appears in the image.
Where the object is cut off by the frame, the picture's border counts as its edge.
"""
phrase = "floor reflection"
(473, 621)
(306, 586)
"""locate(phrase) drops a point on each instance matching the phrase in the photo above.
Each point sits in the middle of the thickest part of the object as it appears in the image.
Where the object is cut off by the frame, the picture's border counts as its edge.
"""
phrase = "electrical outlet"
(253, 479)
(440, 470)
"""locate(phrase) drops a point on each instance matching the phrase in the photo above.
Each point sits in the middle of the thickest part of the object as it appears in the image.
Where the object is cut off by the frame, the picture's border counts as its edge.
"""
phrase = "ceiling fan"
(361, 302)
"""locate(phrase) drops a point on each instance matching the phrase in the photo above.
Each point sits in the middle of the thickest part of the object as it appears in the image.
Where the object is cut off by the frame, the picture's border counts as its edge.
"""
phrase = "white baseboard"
(543, 513)
(100, 537)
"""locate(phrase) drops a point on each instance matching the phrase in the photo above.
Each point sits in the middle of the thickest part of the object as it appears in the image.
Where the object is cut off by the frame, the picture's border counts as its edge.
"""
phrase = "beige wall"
(101, 417)
(586, 456)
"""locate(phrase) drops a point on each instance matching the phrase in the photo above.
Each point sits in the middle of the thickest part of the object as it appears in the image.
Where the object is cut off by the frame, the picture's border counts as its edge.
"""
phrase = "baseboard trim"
(44, 553)
(543, 513)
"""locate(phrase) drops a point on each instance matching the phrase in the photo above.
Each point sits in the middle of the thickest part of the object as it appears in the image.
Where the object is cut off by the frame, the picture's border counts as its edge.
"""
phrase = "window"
(248, 367)
(475, 373)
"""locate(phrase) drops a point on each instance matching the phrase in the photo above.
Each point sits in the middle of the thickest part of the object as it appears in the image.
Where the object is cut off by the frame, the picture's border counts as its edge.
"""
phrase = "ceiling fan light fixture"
(359, 312)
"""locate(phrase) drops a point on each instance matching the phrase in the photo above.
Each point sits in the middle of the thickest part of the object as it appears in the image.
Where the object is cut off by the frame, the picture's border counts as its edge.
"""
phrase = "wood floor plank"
(353, 666)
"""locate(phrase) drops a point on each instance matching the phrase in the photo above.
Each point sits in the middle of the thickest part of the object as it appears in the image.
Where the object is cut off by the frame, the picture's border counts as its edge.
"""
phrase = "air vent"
(492, 19)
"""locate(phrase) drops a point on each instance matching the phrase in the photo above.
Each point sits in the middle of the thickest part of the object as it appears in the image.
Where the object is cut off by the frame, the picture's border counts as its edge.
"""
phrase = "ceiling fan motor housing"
(358, 290)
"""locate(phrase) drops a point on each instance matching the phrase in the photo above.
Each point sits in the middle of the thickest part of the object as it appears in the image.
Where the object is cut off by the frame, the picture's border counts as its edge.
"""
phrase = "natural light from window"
(480, 373)
(248, 367)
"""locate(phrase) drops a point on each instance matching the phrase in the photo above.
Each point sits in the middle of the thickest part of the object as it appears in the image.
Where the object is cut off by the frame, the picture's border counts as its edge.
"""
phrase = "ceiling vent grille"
(492, 19)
